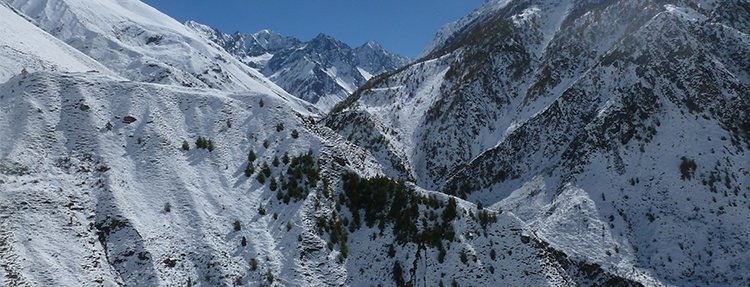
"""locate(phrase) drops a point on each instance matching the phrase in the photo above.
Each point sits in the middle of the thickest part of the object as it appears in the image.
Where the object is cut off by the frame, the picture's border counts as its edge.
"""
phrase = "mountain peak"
(324, 41)
(323, 37)
(265, 33)
(372, 45)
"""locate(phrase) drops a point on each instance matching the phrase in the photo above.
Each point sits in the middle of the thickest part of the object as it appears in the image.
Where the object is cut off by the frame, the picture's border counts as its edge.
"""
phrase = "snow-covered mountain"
(616, 130)
(111, 181)
(141, 43)
(38, 51)
(536, 143)
(322, 71)
(252, 49)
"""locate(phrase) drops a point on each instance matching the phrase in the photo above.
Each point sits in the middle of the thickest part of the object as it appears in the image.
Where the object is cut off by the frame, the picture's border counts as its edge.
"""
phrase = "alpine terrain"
(533, 143)
(323, 71)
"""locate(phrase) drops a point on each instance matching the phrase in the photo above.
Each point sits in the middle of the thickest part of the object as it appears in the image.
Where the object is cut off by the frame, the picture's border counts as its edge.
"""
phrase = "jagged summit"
(322, 71)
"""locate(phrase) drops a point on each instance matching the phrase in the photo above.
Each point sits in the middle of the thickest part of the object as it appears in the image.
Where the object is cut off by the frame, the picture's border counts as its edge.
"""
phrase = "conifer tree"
(249, 170)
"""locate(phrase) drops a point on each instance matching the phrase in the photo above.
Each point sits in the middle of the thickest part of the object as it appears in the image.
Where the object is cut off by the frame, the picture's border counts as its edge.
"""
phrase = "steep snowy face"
(38, 51)
(142, 44)
(323, 71)
(266, 41)
(252, 49)
(375, 60)
(453, 29)
(123, 183)
(628, 116)
(106, 182)
(448, 108)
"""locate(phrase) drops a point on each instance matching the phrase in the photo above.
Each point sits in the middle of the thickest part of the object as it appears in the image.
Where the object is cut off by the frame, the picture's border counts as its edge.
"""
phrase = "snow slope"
(24, 46)
(83, 204)
(98, 190)
(588, 152)
(142, 44)
(451, 29)
(626, 115)
(89, 199)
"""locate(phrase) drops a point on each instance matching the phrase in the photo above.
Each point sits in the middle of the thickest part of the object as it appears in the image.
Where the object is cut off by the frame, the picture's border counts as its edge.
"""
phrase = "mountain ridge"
(561, 93)
(322, 71)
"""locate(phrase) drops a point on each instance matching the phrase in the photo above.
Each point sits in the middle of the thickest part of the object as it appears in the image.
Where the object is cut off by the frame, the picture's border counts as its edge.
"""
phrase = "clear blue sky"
(401, 26)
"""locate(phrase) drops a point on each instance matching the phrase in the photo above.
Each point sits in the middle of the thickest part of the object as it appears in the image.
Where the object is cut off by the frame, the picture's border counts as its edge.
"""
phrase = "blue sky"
(401, 26)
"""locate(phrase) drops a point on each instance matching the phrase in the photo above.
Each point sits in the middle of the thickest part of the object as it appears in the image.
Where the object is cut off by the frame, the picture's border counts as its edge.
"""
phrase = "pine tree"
(251, 156)
(398, 274)
(273, 184)
(167, 207)
(295, 134)
(450, 211)
(210, 145)
(261, 178)
(200, 142)
(249, 170)
(253, 264)
(275, 161)
(266, 169)
(185, 145)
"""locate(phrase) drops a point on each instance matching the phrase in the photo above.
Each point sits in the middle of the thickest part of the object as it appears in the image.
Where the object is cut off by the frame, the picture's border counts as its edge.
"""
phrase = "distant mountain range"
(322, 71)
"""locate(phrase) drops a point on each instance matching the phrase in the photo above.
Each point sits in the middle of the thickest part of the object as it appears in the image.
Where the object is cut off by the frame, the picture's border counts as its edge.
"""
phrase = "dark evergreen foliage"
(383, 201)
(687, 168)
(237, 225)
(249, 170)
(203, 143)
(398, 274)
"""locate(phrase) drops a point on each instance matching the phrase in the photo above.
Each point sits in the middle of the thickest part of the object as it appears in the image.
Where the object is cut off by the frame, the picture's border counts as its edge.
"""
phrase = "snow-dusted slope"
(84, 192)
(323, 71)
(450, 30)
(619, 129)
(24, 46)
(142, 44)
(98, 190)
(598, 143)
